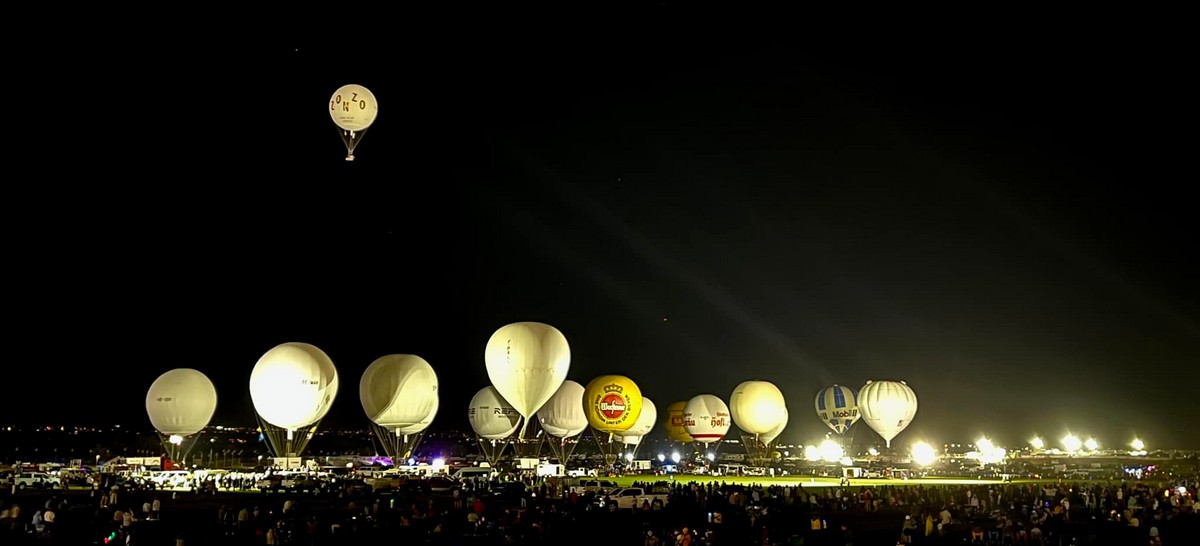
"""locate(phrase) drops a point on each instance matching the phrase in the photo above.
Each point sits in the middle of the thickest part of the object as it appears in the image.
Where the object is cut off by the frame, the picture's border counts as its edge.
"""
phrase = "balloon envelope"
(527, 362)
(491, 416)
(420, 425)
(774, 433)
(293, 385)
(562, 416)
(353, 107)
(612, 403)
(757, 406)
(837, 407)
(674, 423)
(398, 390)
(887, 407)
(706, 418)
(181, 401)
(644, 425)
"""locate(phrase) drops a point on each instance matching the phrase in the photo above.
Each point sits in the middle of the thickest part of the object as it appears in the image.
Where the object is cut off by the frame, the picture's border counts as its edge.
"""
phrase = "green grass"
(810, 481)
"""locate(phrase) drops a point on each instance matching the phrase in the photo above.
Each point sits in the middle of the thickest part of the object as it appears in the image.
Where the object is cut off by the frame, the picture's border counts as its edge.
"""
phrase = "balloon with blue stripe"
(837, 408)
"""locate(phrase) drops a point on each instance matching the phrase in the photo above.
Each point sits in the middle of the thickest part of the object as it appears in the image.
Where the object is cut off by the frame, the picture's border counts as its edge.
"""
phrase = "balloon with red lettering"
(674, 423)
(612, 403)
(706, 418)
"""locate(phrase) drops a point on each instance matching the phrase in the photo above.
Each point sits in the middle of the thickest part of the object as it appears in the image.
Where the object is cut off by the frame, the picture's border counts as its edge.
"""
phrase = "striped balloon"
(837, 408)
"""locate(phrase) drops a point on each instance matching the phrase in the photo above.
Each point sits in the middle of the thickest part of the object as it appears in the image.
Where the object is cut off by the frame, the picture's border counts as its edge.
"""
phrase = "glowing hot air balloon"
(398, 393)
(527, 362)
(757, 406)
(706, 418)
(837, 408)
(887, 407)
(562, 416)
(774, 433)
(612, 403)
(353, 109)
(493, 419)
(676, 432)
(292, 386)
(643, 426)
(180, 404)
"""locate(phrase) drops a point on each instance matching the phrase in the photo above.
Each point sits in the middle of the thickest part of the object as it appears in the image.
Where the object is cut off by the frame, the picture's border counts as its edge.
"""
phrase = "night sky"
(1011, 230)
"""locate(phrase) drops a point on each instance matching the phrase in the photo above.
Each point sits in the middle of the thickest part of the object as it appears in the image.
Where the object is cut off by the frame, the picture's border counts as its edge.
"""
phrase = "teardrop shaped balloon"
(612, 403)
(398, 390)
(837, 407)
(562, 416)
(491, 416)
(644, 425)
(706, 418)
(888, 407)
(181, 401)
(674, 423)
(293, 385)
(527, 362)
(757, 406)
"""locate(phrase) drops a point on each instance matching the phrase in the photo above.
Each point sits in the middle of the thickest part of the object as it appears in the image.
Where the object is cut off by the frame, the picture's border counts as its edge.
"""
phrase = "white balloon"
(562, 416)
(353, 107)
(774, 433)
(181, 401)
(887, 407)
(293, 385)
(398, 390)
(422, 424)
(706, 418)
(757, 406)
(527, 362)
(644, 424)
(491, 416)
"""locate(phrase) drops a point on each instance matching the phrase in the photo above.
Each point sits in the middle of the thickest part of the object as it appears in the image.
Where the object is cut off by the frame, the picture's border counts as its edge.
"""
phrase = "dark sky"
(1008, 228)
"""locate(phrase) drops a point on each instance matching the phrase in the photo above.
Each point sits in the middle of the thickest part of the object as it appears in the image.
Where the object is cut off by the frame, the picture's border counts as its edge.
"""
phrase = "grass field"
(808, 481)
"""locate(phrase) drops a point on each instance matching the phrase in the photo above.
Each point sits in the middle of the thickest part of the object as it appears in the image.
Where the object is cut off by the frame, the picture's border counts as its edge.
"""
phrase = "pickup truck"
(631, 498)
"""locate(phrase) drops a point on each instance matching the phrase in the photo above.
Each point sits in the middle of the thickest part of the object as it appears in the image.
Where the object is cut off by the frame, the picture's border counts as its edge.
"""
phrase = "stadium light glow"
(830, 451)
(1071, 443)
(1091, 444)
(812, 454)
(1137, 444)
(1037, 443)
(923, 454)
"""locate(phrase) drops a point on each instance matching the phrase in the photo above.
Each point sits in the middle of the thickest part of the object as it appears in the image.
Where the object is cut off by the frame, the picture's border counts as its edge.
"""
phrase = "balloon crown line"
(614, 388)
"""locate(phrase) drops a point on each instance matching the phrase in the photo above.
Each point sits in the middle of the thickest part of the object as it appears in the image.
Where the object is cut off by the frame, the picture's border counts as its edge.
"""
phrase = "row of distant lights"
(988, 453)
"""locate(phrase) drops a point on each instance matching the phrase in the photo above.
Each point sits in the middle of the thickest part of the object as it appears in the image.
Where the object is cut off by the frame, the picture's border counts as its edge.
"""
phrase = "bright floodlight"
(1091, 444)
(830, 451)
(812, 454)
(439, 462)
(874, 452)
(675, 456)
(175, 439)
(1072, 443)
(629, 457)
(1037, 443)
(846, 461)
(661, 457)
(984, 445)
(711, 457)
(1138, 444)
(923, 454)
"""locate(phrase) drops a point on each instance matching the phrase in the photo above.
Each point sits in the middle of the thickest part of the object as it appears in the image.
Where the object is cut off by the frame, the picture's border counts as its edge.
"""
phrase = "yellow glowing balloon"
(612, 403)
(674, 423)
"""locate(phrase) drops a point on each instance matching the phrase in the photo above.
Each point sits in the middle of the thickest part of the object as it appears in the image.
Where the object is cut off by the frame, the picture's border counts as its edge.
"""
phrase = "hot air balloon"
(887, 407)
(774, 433)
(493, 419)
(562, 418)
(837, 408)
(644, 425)
(527, 362)
(180, 404)
(353, 109)
(612, 404)
(706, 418)
(757, 406)
(292, 386)
(674, 423)
(398, 392)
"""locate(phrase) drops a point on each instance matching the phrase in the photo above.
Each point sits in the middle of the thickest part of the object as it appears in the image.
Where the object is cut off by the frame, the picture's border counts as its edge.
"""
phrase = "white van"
(474, 472)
